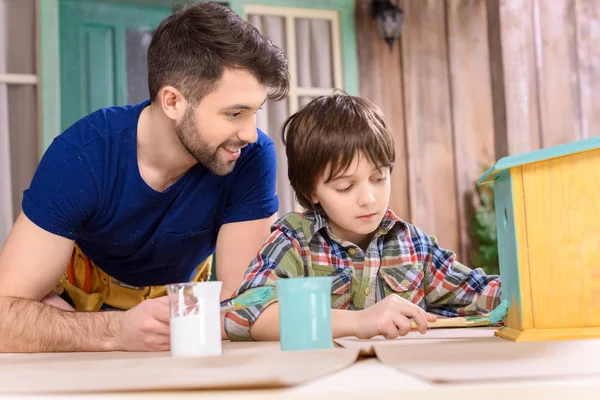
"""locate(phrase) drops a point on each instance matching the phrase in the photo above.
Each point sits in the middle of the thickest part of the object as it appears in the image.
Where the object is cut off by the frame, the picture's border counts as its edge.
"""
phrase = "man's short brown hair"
(331, 131)
(191, 48)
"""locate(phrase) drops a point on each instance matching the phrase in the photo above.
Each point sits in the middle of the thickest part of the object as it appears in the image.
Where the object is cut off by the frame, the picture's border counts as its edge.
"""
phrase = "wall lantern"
(389, 20)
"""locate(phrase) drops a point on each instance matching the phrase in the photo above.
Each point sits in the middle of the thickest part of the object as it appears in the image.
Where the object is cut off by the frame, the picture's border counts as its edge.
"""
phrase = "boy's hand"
(390, 318)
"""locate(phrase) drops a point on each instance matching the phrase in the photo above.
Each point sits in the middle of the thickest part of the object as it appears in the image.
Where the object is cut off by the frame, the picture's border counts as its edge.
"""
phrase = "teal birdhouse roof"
(539, 155)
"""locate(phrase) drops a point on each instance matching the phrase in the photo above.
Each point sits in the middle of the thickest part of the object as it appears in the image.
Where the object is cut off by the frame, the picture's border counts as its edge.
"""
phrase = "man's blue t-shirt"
(88, 187)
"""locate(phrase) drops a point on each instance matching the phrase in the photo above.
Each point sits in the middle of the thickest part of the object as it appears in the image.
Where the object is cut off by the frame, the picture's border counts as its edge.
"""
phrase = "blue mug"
(305, 313)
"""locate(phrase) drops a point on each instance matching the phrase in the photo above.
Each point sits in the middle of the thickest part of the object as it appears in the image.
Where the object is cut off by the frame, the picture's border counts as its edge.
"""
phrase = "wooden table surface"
(368, 378)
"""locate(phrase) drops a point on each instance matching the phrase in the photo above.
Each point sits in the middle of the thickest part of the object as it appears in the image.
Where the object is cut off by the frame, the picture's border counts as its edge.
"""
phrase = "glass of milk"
(195, 319)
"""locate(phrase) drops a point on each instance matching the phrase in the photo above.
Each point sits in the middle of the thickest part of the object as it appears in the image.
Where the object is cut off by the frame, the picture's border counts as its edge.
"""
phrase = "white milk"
(196, 335)
(196, 330)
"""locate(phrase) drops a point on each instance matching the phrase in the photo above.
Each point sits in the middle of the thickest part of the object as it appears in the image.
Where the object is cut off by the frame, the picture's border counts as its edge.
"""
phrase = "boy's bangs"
(376, 152)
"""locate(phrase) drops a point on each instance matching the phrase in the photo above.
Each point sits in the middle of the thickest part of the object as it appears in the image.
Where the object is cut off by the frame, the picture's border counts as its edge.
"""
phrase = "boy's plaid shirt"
(400, 259)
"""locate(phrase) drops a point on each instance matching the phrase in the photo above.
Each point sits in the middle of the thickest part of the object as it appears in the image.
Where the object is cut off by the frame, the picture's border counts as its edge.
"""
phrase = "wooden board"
(588, 48)
(367, 346)
(251, 365)
(432, 178)
(557, 69)
(562, 212)
(492, 359)
(512, 46)
(472, 112)
(381, 82)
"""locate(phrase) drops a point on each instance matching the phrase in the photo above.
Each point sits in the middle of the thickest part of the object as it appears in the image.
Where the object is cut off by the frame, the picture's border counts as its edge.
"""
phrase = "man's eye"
(235, 115)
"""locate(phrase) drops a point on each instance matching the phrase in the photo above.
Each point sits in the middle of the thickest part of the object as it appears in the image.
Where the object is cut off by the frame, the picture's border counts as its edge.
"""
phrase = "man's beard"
(190, 137)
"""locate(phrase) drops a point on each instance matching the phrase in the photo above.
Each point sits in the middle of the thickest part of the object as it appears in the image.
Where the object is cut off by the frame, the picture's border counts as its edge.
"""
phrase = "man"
(132, 198)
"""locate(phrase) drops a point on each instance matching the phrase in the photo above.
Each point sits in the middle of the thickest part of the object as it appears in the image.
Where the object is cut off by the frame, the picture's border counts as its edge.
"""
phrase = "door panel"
(103, 48)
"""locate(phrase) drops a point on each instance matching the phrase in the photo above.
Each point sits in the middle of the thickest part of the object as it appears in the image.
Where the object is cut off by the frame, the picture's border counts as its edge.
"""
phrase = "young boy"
(386, 272)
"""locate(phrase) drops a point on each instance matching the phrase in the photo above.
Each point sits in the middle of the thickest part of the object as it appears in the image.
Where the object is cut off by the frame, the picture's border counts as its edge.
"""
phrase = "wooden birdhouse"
(547, 206)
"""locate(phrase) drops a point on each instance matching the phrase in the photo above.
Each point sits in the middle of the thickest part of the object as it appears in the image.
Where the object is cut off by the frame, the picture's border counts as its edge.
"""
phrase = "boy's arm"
(391, 317)
(266, 326)
(453, 289)
(278, 258)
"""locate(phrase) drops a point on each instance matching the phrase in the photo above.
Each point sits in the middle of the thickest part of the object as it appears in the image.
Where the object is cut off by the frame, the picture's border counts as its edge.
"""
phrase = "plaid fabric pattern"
(400, 259)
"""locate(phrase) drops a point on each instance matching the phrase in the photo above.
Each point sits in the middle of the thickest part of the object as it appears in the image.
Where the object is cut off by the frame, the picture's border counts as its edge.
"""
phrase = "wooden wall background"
(471, 81)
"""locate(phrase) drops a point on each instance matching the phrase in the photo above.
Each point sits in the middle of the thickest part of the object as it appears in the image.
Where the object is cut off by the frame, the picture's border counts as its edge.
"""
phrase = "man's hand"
(390, 318)
(146, 326)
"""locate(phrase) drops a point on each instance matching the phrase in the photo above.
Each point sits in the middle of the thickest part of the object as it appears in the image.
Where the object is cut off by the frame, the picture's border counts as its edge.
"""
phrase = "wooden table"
(369, 379)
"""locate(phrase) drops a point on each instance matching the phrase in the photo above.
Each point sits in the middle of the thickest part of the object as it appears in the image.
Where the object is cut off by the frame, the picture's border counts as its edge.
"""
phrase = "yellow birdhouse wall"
(548, 224)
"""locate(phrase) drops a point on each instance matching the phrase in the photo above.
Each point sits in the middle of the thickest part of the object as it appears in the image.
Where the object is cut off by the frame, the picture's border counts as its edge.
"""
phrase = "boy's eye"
(235, 115)
(383, 178)
(343, 190)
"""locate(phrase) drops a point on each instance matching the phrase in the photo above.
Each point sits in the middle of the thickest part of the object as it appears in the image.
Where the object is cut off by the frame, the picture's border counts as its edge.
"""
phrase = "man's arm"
(31, 263)
(237, 244)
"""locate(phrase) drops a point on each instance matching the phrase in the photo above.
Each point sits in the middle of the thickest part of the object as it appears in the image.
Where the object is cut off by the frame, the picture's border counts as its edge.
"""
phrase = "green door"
(103, 47)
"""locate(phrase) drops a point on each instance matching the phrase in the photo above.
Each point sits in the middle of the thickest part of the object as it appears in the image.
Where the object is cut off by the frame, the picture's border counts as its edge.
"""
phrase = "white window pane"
(23, 136)
(271, 26)
(6, 217)
(137, 42)
(270, 119)
(19, 24)
(304, 100)
(314, 53)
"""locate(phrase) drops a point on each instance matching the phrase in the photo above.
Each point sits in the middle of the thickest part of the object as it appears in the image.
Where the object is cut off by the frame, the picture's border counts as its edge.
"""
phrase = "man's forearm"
(266, 326)
(30, 326)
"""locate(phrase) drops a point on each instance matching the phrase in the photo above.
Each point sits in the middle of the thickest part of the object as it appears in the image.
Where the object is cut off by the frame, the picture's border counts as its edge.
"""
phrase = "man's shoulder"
(263, 139)
(102, 125)
(263, 145)
(259, 159)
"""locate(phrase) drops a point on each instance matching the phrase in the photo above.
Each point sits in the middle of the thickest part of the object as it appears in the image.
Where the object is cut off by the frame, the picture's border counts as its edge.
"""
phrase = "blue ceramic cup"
(305, 313)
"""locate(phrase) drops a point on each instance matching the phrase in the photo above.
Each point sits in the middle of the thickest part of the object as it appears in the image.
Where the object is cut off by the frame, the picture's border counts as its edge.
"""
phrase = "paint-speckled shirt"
(88, 187)
(400, 259)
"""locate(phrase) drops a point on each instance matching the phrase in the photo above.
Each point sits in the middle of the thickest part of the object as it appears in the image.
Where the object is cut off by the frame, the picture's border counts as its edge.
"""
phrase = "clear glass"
(195, 319)
(137, 42)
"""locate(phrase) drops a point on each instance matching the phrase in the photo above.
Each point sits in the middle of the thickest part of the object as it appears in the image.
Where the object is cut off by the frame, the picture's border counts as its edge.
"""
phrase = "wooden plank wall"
(470, 81)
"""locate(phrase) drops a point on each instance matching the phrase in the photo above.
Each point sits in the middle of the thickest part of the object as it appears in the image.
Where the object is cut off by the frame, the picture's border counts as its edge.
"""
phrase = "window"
(18, 106)
(320, 46)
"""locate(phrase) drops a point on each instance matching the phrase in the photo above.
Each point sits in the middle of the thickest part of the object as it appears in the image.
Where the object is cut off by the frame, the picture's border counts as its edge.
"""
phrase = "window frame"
(48, 77)
(346, 32)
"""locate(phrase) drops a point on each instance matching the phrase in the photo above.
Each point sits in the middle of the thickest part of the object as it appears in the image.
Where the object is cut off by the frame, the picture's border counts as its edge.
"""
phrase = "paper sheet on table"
(242, 365)
(489, 359)
(365, 346)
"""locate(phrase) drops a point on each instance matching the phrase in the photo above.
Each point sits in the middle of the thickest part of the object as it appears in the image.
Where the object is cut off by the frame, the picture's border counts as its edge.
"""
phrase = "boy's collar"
(317, 221)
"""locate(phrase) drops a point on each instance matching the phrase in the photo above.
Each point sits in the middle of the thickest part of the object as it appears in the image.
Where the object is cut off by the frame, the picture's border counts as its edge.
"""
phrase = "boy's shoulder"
(405, 230)
(300, 226)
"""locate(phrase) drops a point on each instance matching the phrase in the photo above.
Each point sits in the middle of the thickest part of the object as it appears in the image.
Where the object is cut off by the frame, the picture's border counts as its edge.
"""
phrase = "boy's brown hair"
(331, 131)
(191, 48)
